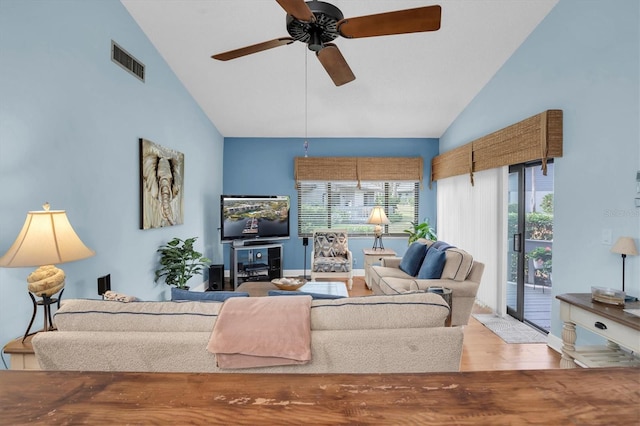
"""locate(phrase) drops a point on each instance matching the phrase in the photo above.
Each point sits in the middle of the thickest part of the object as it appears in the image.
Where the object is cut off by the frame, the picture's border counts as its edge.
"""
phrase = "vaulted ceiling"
(409, 85)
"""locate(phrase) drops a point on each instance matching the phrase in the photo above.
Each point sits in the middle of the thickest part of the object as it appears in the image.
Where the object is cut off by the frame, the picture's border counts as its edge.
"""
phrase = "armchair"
(330, 255)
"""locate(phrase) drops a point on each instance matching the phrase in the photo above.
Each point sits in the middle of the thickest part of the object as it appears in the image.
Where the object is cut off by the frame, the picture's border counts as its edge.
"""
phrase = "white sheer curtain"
(474, 218)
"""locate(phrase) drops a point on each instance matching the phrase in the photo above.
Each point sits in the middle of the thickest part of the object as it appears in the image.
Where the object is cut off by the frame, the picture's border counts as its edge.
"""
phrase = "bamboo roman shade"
(358, 169)
(535, 138)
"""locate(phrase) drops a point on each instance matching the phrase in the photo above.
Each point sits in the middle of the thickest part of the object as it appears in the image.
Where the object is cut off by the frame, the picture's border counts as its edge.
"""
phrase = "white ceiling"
(410, 85)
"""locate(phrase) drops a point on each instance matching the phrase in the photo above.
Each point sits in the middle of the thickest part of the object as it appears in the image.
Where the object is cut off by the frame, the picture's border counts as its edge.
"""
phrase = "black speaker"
(104, 284)
(275, 263)
(216, 278)
(305, 241)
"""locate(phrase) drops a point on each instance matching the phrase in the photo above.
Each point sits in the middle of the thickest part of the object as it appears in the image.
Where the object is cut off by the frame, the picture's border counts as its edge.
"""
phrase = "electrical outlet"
(606, 237)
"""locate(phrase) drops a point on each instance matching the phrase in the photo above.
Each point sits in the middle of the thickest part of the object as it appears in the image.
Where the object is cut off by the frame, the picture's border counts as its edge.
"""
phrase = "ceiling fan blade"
(298, 9)
(335, 64)
(399, 22)
(254, 48)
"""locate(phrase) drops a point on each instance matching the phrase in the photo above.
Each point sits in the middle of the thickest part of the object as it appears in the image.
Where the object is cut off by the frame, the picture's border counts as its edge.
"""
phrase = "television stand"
(260, 262)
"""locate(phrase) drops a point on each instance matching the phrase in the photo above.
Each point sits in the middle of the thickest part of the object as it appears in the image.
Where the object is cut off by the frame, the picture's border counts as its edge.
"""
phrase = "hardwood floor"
(483, 350)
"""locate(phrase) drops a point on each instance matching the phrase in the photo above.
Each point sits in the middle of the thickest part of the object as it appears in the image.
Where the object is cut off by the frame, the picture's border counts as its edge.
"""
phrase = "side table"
(371, 257)
(21, 354)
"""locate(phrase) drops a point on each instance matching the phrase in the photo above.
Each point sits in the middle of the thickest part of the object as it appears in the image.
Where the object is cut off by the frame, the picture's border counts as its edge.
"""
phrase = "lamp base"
(377, 243)
(46, 303)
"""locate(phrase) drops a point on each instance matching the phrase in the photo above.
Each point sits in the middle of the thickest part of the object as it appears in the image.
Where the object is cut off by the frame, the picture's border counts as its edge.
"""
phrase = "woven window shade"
(358, 168)
(535, 138)
(458, 161)
(390, 168)
(325, 168)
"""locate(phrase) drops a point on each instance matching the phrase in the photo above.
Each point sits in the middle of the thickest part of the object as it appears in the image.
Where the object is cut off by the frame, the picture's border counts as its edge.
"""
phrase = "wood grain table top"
(550, 397)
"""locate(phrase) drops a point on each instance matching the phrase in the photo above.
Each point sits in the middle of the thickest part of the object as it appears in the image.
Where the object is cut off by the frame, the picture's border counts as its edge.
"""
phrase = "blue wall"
(264, 166)
(584, 58)
(70, 120)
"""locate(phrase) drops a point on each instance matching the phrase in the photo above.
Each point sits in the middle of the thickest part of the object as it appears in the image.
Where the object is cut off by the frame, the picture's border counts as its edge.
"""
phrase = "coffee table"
(261, 288)
(334, 288)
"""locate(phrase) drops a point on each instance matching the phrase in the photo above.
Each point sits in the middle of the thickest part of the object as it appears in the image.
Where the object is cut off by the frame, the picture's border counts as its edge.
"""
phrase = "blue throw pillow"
(412, 259)
(432, 265)
(206, 296)
(441, 245)
(303, 293)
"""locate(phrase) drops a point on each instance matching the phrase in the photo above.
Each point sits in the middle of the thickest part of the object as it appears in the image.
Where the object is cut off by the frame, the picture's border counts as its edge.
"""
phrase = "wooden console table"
(609, 321)
(603, 396)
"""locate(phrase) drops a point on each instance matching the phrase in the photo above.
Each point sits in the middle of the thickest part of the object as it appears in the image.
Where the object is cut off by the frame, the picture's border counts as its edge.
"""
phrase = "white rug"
(510, 329)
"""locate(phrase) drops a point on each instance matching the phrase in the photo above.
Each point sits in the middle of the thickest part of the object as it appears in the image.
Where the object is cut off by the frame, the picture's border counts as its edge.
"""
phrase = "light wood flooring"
(483, 350)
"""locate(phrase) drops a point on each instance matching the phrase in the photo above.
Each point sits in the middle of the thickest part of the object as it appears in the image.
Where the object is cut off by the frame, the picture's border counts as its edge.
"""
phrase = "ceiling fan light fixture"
(315, 42)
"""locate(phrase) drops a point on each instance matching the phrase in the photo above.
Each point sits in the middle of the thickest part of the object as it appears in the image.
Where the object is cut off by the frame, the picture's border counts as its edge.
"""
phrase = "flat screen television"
(254, 217)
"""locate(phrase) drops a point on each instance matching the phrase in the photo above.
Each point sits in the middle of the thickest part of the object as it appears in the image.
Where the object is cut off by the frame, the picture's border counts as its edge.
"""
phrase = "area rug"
(510, 329)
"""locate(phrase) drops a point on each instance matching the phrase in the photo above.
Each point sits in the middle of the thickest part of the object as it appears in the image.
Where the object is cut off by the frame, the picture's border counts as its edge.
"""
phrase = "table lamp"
(378, 218)
(626, 247)
(46, 238)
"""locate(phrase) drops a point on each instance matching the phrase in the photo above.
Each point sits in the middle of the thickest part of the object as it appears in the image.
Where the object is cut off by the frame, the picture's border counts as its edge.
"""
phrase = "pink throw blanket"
(262, 331)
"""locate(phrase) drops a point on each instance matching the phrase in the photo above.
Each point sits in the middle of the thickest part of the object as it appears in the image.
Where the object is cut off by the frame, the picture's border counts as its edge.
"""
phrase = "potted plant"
(179, 262)
(542, 263)
(421, 230)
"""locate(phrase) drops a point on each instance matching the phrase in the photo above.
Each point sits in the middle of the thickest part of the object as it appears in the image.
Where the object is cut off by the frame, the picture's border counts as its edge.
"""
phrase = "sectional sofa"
(370, 334)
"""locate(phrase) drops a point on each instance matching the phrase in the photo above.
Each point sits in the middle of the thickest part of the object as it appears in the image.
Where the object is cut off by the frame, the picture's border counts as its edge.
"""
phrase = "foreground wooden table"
(550, 397)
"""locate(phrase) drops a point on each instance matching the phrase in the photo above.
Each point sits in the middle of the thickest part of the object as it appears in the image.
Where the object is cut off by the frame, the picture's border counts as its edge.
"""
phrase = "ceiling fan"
(318, 23)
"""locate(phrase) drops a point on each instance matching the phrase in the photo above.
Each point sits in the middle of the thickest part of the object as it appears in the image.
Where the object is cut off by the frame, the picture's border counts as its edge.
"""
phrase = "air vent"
(126, 61)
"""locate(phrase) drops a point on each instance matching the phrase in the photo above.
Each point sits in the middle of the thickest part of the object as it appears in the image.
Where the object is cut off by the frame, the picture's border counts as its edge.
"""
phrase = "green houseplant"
(421, 230)
(179, 262)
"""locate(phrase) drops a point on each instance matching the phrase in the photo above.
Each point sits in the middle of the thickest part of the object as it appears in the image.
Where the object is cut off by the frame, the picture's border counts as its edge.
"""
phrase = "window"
(341, 204)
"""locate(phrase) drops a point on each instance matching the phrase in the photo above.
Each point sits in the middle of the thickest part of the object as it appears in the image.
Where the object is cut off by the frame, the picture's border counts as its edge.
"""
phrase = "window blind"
(347, 205)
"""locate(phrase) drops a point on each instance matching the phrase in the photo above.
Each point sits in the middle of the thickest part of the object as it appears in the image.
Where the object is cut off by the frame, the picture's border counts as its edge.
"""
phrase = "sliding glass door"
(530, 244)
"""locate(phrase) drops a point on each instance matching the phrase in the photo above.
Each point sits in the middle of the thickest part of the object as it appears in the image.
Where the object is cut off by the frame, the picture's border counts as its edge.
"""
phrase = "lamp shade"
(46, 238)
(625, 245)
(377, 216)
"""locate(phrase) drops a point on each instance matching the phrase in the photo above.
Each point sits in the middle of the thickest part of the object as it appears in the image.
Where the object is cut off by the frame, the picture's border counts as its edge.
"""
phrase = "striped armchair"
(330, 255)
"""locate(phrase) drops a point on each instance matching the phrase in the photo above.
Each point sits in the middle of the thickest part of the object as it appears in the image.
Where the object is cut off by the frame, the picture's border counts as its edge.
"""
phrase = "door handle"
(517, 243)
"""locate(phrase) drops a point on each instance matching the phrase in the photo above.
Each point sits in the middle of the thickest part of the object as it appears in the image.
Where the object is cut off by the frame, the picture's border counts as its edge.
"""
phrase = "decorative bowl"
(288, 284)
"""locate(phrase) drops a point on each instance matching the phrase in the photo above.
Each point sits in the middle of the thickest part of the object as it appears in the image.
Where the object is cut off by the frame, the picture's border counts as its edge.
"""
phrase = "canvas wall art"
(161, 186)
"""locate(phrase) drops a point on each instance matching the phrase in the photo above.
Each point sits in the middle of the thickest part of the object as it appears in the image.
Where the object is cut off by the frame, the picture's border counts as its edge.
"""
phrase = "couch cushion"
(458, 264)
(432, 265)
(412, 259)
(331, 264)
(304, 293)
(104, 315)
(412, 310)
(205, 296)
(330, 243)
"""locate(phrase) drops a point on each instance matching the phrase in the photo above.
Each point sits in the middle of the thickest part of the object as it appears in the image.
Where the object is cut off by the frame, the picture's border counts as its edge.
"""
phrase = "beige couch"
(372, 334)
(461, 274)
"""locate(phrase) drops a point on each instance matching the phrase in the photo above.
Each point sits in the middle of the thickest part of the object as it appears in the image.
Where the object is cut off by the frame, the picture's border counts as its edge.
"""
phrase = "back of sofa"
(386, 334)
(355, 313)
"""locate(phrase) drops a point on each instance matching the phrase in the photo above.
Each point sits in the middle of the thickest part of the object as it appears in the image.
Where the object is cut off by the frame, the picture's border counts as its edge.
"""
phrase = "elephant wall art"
(161, 185)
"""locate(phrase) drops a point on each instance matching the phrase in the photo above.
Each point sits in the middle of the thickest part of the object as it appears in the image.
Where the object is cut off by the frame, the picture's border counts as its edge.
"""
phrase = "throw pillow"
(412, 259)
(442, 246)
(304, 293)
(111, 295)
(432, 265)
(207, 296)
